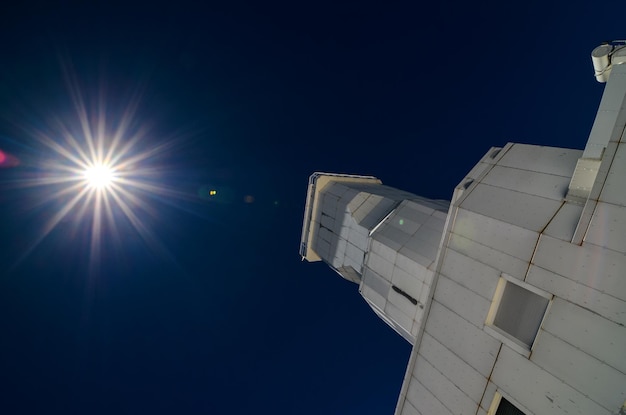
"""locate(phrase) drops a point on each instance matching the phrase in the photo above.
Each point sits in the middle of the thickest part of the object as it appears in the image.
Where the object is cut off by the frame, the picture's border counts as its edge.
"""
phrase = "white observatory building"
(513, 294)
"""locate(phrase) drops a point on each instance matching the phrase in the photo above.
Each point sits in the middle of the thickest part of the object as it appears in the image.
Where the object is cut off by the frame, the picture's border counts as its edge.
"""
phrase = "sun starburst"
(99, 176)
(99, 170)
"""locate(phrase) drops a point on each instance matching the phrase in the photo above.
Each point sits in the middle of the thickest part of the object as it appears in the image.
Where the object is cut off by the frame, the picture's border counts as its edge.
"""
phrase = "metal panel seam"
(489, 378)
(532, 257)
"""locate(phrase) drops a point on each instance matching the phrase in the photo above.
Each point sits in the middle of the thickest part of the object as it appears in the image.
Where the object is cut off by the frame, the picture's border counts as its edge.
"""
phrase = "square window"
(517, 311)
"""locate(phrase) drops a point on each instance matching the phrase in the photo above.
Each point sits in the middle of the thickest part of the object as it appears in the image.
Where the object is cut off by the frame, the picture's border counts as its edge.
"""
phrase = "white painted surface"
(510, 216)
(589, 265)
(608, 227)
(588, 332)
(563, 224)
(470, 273)
(504, 237)
(538, 390)
(512, 207)
(582, 295)
(422, 398)
(603, 384)
(462, 301)
(488, 256)
(453, 367)
(614, 190)
(550, 186)
(549, 160)
(443, 389)
(470, 343)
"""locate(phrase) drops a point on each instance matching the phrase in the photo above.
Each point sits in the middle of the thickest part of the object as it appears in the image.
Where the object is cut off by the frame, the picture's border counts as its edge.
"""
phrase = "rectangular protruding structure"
(317, 182)
(513, 294)
(381, 238)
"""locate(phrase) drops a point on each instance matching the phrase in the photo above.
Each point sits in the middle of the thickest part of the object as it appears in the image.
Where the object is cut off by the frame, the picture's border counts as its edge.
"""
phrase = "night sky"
(201, 304)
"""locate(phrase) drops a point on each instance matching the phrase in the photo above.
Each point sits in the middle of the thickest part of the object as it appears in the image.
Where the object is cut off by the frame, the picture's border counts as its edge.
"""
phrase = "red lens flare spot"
(8, 160)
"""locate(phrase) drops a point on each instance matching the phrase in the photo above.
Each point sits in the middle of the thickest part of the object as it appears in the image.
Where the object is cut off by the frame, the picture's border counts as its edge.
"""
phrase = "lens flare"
(100, 171)
(99, 176)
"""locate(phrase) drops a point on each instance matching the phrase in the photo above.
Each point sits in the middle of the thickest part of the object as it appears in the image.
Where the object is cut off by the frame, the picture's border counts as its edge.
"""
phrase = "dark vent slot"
(408, 297)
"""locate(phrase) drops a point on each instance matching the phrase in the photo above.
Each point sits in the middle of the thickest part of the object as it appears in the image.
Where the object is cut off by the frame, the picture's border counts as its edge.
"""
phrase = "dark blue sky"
(220, 316)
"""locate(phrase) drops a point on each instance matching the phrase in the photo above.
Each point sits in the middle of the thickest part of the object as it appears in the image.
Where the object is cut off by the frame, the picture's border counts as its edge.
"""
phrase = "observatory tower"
(513, 294)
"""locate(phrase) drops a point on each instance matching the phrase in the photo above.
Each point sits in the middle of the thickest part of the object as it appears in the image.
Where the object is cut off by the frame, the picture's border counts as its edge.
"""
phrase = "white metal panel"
(380, 265)
(603, 304)
(329, 205)
(584, 177)
(488, 395)
(583, 223)
(430, 232)
(521, 209)
(584, 329)
(589, 265)
(538, 390)
(397, 235)
(535, 183)
(340, 252)
(406, 225)
(599, 381)
(424, 248)
(614, 189)
(404, 305)
(354, 253)
(488, 256)
(398, 316)
(608, 124)
(349, 262)
(608, 227)
(357, 201)
(322, 247)
(377, 213)
(335, 189)
(384, 239)
(421, 260)
(453, 367)
(376, 282)
(366, 207)
(412, 210)
(406, 263)
(474, 346)
(476, 276)
(603, 171)
(327, 221)
(383, 250)
(357, 237)
(504, 237)
(462, 301)
(409, 409)
(420, 204)
(436, 223)
(443, 388)
(564, 223)
(422, 399)
(372, 296)
(344, 231)
(550, 160)
(478, 169)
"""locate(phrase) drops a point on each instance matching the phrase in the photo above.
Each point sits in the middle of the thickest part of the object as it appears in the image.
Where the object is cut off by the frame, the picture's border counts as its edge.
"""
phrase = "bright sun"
(99, 176)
